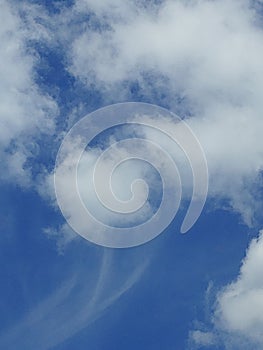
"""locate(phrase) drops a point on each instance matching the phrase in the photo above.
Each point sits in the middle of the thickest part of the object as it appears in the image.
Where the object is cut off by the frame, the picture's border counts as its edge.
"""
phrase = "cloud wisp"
(73, 306)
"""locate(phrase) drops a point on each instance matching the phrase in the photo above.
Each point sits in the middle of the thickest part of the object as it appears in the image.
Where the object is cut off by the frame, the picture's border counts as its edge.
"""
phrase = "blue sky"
(63, 59)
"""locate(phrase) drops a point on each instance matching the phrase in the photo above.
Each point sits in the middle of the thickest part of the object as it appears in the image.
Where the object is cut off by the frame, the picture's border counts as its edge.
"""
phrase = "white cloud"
(240, 305)
(182, 40)
(238, 314)
(202, 339)
(208, 52)
(25, 111)
(63, 236)
(121, 182)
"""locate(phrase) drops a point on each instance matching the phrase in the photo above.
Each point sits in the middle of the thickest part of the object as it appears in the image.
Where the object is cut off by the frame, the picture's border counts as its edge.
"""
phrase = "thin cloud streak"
(71, 308)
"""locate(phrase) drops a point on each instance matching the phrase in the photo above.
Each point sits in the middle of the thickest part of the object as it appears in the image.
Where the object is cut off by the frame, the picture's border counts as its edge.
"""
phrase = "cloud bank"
(202, 59)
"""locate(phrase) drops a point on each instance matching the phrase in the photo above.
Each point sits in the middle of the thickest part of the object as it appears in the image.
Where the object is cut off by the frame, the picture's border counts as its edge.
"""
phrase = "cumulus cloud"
(240, 305)
(25, 111)
(206, 52)
(237, 318)
(205, 48)
(116, 200)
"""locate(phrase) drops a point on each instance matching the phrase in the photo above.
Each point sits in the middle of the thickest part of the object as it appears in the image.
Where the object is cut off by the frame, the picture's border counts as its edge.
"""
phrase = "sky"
(199, 61)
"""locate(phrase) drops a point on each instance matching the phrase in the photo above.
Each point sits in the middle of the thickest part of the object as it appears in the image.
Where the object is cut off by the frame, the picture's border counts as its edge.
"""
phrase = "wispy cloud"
(72, 307)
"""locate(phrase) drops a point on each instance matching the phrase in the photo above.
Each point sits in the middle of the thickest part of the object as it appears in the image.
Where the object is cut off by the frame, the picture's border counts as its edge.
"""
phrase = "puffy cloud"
(205, 48)
(206, 52)
(238, 314)
(25, 111)
(239, 309)
(114, 185)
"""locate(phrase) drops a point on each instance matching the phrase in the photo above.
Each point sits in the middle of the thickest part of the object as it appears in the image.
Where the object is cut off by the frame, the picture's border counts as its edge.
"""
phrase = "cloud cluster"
(206, 52)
